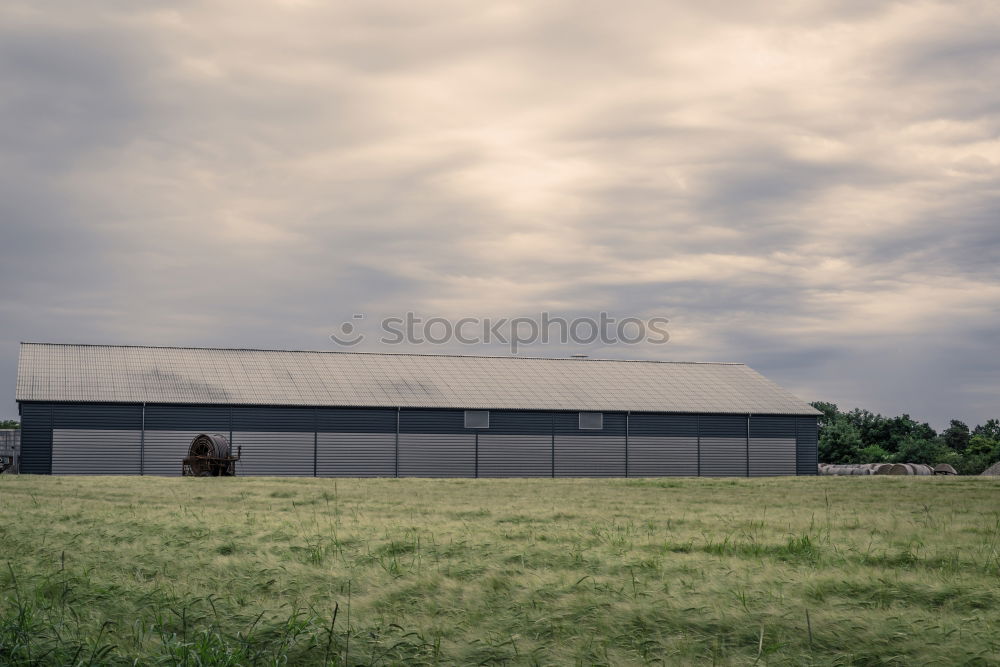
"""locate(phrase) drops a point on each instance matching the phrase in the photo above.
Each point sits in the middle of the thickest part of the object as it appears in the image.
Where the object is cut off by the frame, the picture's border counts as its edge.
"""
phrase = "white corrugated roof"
(122, 373)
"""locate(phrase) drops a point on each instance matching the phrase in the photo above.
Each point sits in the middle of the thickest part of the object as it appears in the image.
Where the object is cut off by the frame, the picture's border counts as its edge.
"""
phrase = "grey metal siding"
(662, 445)
(772, 457)
(772, 446)
(164, 450)
(356, 455)
(589, 456)
(36, 438)
(723, 457)
(92, 451)
(517, 444)
(660, 425)
(807, 445)
(432, 421)
(568, 423)
(515, 455)
(274, 453)
(170, 429)
(198, 418)
(274, 419)
(662, 457)
(509, 422)
(723, 447)
(362, 442)
(96, 416)
(347, 420)
(772, 427)
(589, 453)
(437, 455)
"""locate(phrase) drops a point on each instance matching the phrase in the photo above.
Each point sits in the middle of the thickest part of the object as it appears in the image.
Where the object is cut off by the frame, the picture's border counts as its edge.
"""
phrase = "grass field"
(863, 570)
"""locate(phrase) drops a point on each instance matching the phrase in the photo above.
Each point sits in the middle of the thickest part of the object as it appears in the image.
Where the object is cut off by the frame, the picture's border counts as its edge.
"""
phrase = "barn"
(133, 410)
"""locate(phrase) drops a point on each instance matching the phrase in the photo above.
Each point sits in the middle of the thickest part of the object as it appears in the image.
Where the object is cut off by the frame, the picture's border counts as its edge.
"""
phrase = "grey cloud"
(782, 180)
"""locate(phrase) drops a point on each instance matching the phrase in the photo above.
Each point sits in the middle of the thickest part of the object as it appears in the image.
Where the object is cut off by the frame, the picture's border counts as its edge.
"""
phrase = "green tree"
(873, 454)
(9, 423)
(839, 443)
(888, 432)
(991, 429)
(981, 445)
(981, 453)
(829, 410)
(931, 451)
(956, 436)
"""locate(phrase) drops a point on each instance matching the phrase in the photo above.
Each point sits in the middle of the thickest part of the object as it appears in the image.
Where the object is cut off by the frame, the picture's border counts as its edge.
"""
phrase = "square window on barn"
(477, 419)
(591, 421)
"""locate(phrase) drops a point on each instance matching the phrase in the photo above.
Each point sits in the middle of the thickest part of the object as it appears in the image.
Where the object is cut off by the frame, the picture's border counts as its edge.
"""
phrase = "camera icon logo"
(348, 335)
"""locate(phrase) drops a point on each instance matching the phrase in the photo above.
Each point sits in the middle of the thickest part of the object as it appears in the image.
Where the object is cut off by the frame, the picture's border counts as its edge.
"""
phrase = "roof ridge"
(385, 354)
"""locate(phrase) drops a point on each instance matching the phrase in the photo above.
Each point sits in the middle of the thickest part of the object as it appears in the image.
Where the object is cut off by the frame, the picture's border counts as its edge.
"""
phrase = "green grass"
(866, 570)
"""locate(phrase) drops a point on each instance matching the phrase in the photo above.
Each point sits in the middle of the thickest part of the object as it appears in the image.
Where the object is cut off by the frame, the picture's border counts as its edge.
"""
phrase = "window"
(477, 419)
(591, 421)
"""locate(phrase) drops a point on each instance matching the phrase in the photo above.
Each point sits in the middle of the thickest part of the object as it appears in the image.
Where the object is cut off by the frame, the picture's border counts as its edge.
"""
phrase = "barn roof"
(137, 374)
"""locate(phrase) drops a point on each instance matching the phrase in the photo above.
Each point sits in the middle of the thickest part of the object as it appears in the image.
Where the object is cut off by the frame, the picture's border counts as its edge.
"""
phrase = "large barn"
(133, 410)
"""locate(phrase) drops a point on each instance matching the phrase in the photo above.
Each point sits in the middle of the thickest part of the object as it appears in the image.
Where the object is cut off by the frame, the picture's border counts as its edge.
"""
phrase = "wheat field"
(266, 571)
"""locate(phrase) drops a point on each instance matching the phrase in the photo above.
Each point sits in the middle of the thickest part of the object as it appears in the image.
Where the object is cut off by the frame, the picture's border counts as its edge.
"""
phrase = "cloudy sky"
(810, 187)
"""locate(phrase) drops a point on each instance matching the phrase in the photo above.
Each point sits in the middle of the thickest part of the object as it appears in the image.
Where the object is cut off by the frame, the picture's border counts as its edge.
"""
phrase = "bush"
(931, 452)
(839, 443)
(873, 454)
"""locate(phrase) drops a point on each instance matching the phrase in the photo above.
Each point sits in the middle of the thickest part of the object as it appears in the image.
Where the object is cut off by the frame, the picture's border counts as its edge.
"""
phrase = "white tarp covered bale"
(887, 469)
(851, 468)
(993, 470)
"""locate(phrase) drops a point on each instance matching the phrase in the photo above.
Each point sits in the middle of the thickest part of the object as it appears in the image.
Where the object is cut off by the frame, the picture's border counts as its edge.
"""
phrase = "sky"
(812, 188)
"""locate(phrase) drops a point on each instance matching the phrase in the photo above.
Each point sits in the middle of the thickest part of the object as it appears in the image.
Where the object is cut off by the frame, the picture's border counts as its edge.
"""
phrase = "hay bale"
(882, 468)
(944, 469)
(898, 469)
(914, 469)
(993, 470)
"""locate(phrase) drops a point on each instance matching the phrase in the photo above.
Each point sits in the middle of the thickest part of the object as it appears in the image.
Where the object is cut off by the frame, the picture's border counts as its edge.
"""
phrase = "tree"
(9, 423)
(956, 436)
(915, 449)
(887, 432)
(839, 443)
(981, 445)
(991, 429)
(862, 436)
(873, 454)
(981, 453)
(829, 410)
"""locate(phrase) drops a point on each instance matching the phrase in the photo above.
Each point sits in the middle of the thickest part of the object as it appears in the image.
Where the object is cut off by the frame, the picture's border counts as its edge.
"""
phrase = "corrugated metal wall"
(96, 439)
(275, 453)
(275, 441)
(170, 429)
(163, 451)
(355, 442)
(437, 455)
(807, 445)
(589, 453)
(772, 446)
(356, 455)
(36, 438)
(435, 443)
(662, 445)
(90, 451)
(723, 446)
(517, 444)
(109, 439)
